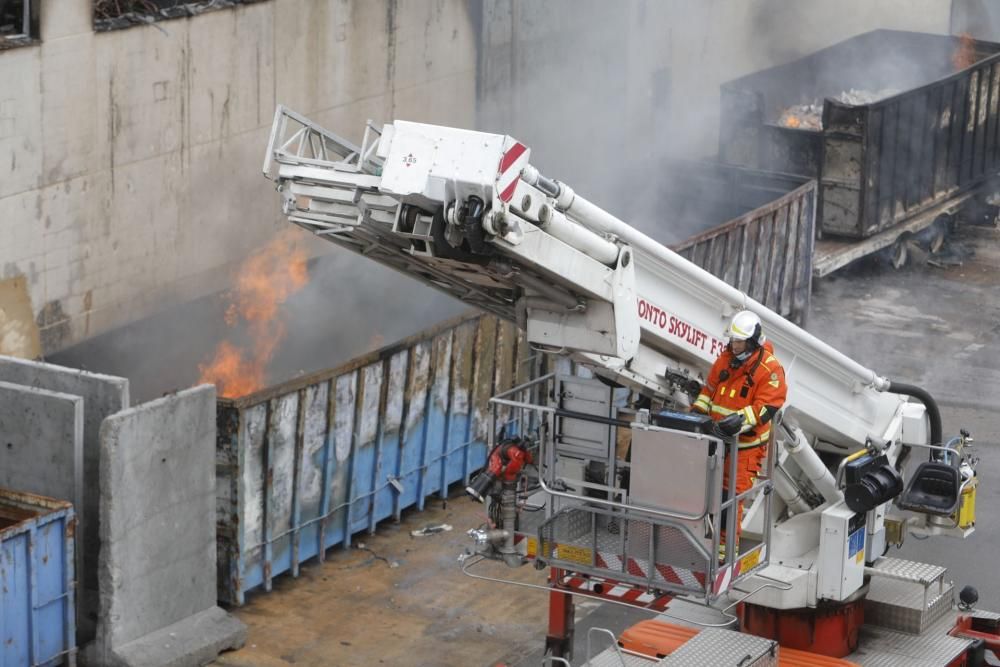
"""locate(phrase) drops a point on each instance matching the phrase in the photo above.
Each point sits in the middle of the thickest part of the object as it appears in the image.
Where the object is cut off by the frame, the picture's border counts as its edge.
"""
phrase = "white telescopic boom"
(466, 213)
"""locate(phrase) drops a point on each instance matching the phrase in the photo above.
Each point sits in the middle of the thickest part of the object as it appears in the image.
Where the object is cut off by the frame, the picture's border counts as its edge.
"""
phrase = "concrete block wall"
(102, 396)
(41, 452)
(41, 442)
(130, 160)
(157, 562)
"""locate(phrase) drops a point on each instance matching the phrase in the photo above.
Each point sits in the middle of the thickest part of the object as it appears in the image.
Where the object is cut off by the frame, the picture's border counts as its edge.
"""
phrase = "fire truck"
(609, 482)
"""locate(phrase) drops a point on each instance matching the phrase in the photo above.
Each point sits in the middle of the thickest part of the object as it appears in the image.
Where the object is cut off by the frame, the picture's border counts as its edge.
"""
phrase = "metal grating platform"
(897, 605)
(724, 648)
(906, 570)
(907, 596)
(587, 528)
(882, 647)
(645, 552)
(612, 658)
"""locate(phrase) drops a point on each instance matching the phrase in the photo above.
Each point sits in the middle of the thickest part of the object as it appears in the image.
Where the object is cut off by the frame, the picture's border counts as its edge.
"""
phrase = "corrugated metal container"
(883, 162)
(305, 465)
(37, 584)
(766, 247)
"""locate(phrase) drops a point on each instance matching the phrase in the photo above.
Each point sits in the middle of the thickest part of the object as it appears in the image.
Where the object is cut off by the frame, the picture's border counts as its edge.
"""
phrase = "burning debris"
(264, 282)
(803, 117)
(810, 116)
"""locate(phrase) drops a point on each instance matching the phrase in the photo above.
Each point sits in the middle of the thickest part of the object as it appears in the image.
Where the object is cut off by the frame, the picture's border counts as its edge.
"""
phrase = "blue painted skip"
(307, 465)
(37, 605)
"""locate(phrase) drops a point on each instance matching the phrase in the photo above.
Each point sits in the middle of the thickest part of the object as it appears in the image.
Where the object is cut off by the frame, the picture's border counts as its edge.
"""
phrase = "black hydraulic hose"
(933, 413)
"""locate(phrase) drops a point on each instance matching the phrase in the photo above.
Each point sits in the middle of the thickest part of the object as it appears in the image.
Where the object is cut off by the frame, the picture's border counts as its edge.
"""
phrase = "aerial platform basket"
(631, 528)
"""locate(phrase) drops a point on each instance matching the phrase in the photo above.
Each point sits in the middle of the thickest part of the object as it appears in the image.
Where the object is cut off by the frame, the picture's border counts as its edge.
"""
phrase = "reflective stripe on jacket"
(752, 388)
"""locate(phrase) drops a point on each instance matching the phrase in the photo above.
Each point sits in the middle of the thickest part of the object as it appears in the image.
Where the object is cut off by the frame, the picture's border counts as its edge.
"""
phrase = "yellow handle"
(856, 455)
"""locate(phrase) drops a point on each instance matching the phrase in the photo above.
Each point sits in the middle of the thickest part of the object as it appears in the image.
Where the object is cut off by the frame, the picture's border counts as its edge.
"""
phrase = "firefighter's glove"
(730, 425)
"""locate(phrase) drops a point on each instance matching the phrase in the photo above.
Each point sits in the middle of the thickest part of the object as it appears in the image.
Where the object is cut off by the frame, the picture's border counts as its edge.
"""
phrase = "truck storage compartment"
(753, 229)
(37, 584)
(891, 123)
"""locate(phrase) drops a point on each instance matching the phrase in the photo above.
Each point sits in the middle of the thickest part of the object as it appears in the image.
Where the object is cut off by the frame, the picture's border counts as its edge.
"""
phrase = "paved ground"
(937, 328)
(400, 600)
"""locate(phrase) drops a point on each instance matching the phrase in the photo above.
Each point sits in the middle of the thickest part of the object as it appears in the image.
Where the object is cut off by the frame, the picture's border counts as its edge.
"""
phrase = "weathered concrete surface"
(41, 442)
(936, 328)
(157, 561)
(358, 609)
(19, 335)
(173, 135)
(195, 641)
(103, 396)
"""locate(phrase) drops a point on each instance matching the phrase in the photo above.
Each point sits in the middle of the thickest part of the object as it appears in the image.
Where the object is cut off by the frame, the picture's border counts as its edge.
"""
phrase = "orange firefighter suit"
(756, 389)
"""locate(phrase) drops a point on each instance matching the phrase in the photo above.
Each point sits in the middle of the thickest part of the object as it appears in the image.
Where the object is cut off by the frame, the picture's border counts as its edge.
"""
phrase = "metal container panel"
(766, 252)
(37, 581)
(919, 148)
(306, 465)
(883, 163)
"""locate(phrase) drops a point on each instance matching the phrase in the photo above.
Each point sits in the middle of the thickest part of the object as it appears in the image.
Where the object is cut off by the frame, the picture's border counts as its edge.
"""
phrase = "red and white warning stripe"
(663, 573)
(723, 579)
(726, 577)
(610, 589)
(515, 158)
(670, 574)
(607, 561)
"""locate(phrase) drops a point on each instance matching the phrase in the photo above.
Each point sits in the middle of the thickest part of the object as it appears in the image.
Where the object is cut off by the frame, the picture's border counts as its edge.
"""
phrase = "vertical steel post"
(559, 640)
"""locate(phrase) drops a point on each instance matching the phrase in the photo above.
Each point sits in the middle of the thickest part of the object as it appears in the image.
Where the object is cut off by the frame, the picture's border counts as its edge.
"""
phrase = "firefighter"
(744, 390)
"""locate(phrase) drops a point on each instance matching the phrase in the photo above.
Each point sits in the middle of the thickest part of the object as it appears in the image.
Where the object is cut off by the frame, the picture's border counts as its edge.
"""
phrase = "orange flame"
(263, 283)
(790, 121)
(231, 373)
(964, 54)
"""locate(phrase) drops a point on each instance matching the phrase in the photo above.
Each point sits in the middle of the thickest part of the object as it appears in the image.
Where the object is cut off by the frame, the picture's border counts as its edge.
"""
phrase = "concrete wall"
(130, 160)
(102, 397)
(41, 442)
(157, 562)
(596, 88)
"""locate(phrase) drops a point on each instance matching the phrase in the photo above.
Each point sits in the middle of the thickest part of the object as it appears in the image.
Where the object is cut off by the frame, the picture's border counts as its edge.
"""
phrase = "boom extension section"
(467, 213)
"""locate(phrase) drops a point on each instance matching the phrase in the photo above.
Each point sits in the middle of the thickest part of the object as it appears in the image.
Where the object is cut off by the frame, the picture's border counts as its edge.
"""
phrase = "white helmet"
(746, 326)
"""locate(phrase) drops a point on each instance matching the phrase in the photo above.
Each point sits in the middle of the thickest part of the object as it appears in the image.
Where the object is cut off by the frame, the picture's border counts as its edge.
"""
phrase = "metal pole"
(559, 640)
(731, 538)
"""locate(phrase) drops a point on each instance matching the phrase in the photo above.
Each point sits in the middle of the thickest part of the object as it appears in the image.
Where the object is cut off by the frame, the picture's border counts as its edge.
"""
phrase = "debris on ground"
(393, 564)
(431, 529)
(951, 255)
